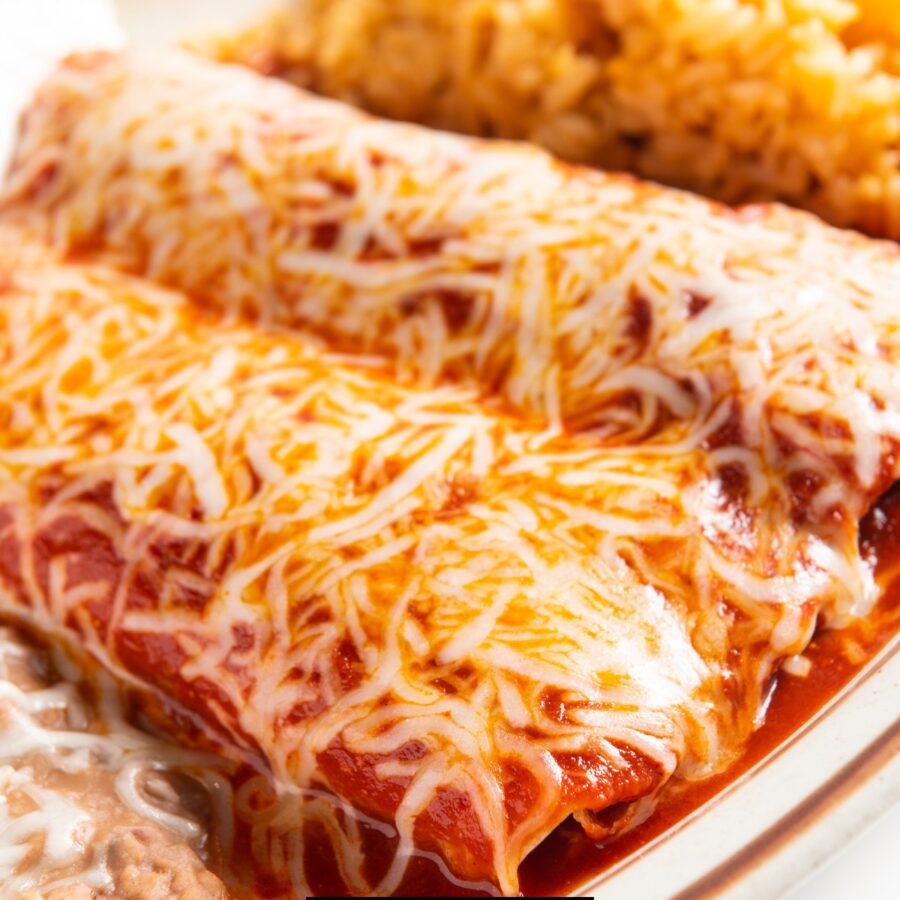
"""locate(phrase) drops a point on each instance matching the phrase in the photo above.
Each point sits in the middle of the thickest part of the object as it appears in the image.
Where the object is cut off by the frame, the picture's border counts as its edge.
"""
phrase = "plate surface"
(784, 818)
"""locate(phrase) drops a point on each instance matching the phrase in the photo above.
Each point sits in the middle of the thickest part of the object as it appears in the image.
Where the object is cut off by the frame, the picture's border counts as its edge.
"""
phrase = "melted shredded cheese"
(585, 299)
(406, 568)
(405, 572)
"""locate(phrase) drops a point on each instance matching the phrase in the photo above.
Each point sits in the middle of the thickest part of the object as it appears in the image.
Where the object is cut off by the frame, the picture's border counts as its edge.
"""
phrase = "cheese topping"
(585, 299)
(537, 557)
(413, 599)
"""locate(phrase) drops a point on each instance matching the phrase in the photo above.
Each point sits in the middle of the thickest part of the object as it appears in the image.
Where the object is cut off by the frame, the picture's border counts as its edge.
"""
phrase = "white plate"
(784, 818)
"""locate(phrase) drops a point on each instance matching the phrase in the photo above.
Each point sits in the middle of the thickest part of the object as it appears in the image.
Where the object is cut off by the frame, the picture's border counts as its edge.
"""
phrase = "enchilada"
(459, 625)
(539, 556)
(589, 301)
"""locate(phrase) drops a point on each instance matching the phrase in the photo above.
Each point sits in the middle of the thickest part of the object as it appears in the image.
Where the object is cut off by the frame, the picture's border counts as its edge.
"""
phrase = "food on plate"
(460, 627)
(740, 100)
(453, 490)
(89, 805)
